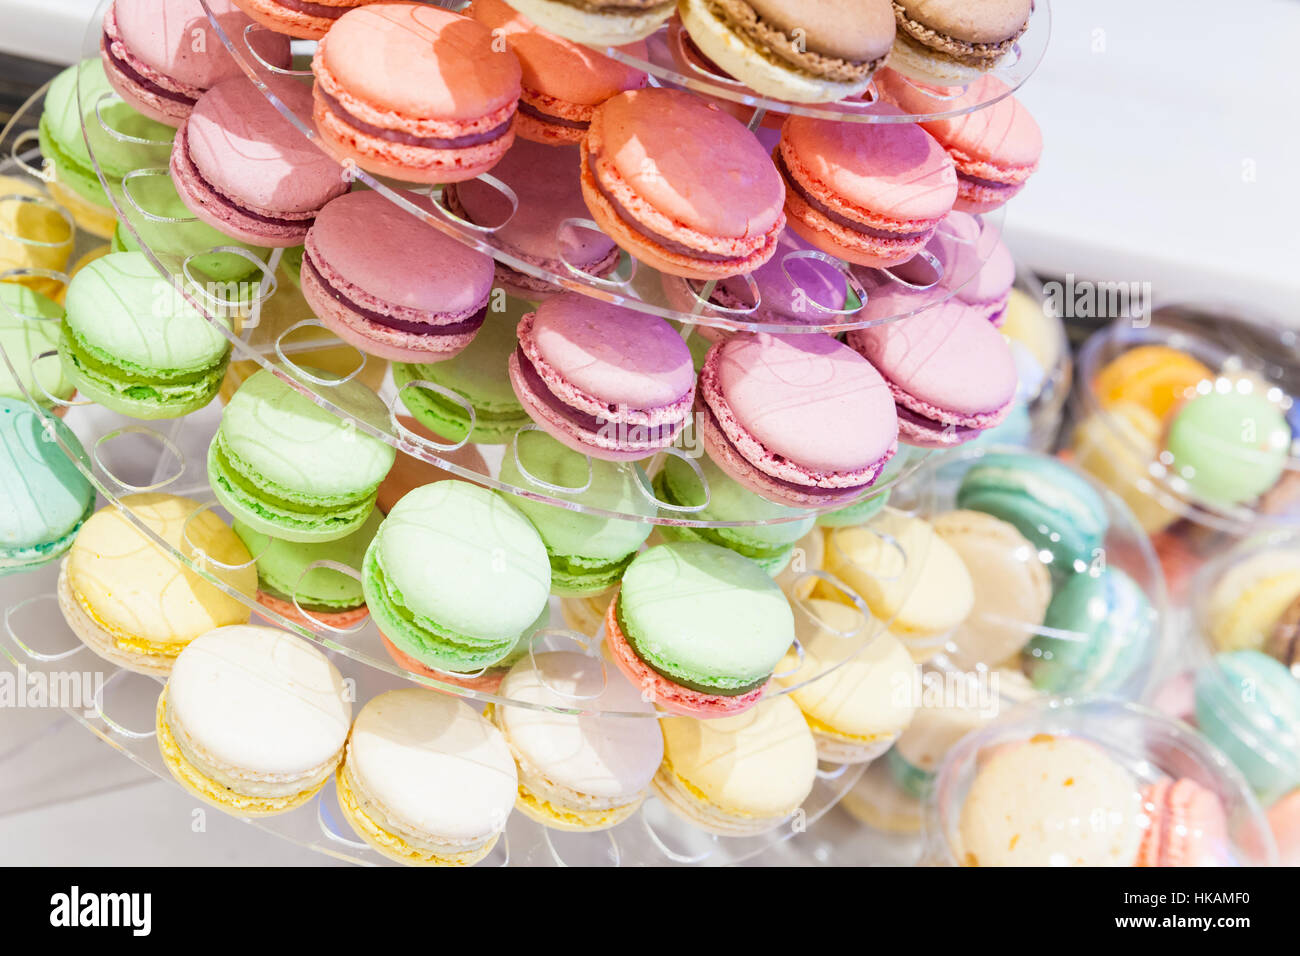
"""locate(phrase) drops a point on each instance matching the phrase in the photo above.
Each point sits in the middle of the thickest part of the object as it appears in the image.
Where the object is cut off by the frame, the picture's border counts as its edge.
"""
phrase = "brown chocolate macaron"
(953, 41)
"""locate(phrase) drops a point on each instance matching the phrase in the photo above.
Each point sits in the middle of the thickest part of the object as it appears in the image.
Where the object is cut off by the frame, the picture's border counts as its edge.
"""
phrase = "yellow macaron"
(1246, 602)
(1155, 377)
(1117, 447)
(34, 234)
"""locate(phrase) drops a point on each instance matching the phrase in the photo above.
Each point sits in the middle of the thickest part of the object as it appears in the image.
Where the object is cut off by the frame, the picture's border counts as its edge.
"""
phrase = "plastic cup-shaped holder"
(919, 276)
(419, 441)
(560, 680)
(199, 557)
(149, 172)
(532, 480)
(816, 260)
(702, 294)
(645, 485)
(314, 622)
(569, 233)
(509, 195)
(677, 841)
(46, 397)
(232, 301)
(285, 346)
(56, 246)
(36, 627)
(31, 272)
(250, 31)
(25, 144)
(127, 702)
(566, 848)
(138, 459)
(117, 134)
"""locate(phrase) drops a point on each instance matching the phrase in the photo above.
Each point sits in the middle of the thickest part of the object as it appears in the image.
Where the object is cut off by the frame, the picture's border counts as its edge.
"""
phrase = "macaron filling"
(528, 109)
(979, 55)
(184, 165)
(779, 48)
(155, 386)
(328, 11)
(411, 139)
(140, 73)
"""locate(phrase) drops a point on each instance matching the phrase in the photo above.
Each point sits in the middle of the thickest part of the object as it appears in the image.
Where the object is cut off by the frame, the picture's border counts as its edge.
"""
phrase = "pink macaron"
(415, 92)
(1284, 820)
(161, 57)
(389, 283)
(869, 193)
(1186, 826)
(995, 149)
(247, 171)
(950, 371)
(545, 181)
(800, 419)
(977, 265)
(604, 380)
(707, 212)
(306, 19)
(563, 82)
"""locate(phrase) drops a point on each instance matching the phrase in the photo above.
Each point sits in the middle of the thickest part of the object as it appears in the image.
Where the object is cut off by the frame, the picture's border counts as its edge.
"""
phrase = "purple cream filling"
(407, 139)
(797, 188)
(530, 110)
(314, 9)
(234, 206)
(143, 81)
(964, 432)
(387, 321)
(986, 183)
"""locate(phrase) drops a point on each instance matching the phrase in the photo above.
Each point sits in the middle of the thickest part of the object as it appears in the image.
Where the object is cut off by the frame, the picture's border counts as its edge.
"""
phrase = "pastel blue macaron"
(1053, 506)
(1097, 636)
(43, 497)
(1248, 705)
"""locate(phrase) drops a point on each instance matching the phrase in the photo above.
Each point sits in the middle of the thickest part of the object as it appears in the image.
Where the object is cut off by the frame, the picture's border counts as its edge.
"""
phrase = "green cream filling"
(722, 537)
(275, 508)
(138, 384)
(721, 686)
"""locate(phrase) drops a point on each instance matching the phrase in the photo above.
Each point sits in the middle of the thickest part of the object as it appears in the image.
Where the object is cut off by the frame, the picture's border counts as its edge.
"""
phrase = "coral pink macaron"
(306, 19)
(1186, 826)
(710, 211)
(161, 57)
(950, 371)
(415, 92)
(563, 82)
(606, 381)
(869, 193)
(802, 419)
(995, 149)
(247, 171)
(544, 180)
(389, 283)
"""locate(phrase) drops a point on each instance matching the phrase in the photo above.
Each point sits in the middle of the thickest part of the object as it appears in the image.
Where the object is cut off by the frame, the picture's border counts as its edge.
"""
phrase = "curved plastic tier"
(122, 715)
(940, 271)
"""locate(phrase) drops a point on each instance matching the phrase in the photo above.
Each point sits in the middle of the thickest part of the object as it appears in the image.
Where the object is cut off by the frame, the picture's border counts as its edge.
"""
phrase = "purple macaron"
(546, 181)
(389, 283)
(978, 267)
(949, 369)
(246, 171)
(606, 381)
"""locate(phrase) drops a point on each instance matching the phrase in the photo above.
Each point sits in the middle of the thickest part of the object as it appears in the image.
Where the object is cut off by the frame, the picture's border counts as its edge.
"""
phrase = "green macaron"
(860, 512)
(704, 617)
(282, 566)
(770, 544)
(284, 466)
(588, 553)
(1229, 446)
(479, 376)
(29, 326)
(44, 498)
(455, 576)
(133, 343)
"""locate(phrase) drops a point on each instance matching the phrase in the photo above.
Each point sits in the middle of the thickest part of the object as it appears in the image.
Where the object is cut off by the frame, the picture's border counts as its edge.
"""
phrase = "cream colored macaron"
(865, 698)
(253, 719)
(597, 22)
(739, 775)
(1247, 601)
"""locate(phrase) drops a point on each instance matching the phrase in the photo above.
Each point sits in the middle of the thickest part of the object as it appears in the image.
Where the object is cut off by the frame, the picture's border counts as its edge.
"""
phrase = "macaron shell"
(1229, 447)
(24, 336)
(283, 566)
(1187, 826)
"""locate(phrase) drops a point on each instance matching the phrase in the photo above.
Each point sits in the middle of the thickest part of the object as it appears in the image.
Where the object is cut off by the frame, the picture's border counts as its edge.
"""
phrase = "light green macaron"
(455, 576)
(29, 326)
(282, 566)
(1230, 447)
(588, 553)
(133, 343)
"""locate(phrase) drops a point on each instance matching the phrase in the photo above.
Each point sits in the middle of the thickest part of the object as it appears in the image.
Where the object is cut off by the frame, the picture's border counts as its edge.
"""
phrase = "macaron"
(384, 103)
(950, 372)
(977, 268)
(29, 327)
(706, 213)
(800, 419)
(548, 193)
(131, 602)
(769, 540)
(598, 22)
(389, 283)
(863, 702)
(479, 375)
(253, 720)
(562, 82)
(588, 552)
(1098, 636)
(860, 512)
(1187, 825)
(1049, 503)
(577, 772)
(791, 51)
(288, 468)
(1229, 446)
(454, 576)
(1027, 322)
(426, 780)
(1157, 378)
(1247, 602)
(1248, 705)
(410, 472)
(1284, 641)
(1119, 446)
(135, 142)
(133, 343)
(1051, 801)
(1012, 588)
(35, 233)
(286, 580)
(872, 194)
(606, 381)
(45, 497)
(1284, 819)
(698, 628)
(161, 60)
(947, 42)
(914, 581)
(305, 19)
(995, 148)
(740, 775)
(246, 170)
